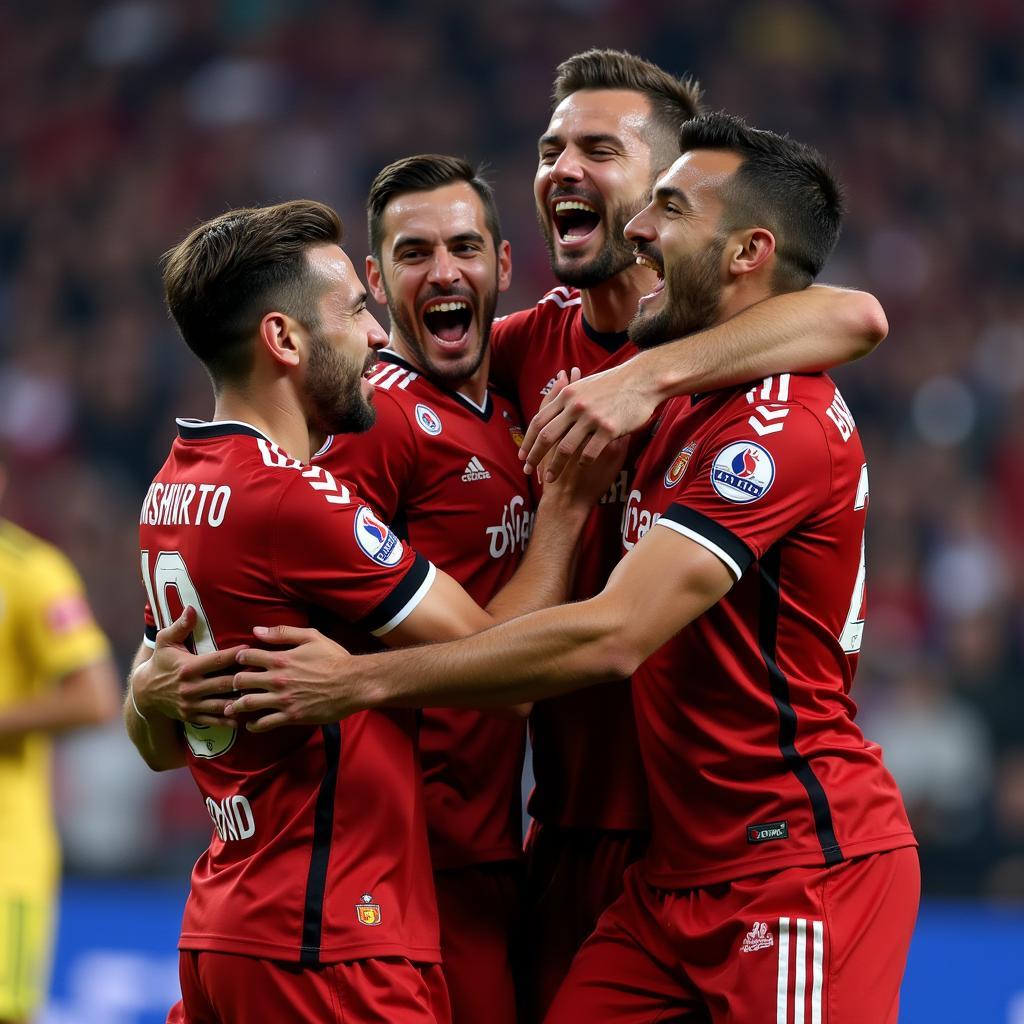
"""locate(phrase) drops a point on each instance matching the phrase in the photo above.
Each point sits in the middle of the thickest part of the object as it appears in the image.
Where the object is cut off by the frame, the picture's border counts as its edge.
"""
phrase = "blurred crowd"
(123, 125)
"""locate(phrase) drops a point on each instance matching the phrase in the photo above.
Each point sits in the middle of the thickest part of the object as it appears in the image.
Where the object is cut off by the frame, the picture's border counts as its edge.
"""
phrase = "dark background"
(122, 126)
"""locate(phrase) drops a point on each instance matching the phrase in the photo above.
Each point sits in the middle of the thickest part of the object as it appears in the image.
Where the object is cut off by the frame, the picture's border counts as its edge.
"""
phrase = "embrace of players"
(712, 837)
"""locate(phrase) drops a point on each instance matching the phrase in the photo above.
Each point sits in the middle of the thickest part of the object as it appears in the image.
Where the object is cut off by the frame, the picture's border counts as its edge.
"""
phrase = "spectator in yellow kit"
(56, 674)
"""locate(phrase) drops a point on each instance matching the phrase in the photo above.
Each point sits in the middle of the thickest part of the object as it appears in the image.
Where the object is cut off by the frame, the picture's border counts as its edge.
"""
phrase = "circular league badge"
(742, 472)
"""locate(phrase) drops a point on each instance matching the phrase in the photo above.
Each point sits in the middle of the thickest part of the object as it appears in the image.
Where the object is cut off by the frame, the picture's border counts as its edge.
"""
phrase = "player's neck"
(609, 306)
(474, 388)
(282, 423)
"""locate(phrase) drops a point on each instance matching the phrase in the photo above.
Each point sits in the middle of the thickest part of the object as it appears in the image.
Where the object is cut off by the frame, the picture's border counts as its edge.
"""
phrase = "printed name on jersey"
(474, 471)
(767, 832)
(743, 472)
(368, 912)
(171, 504)
(677, 467)
(387, 375)
(232, 817)
(839, 413)
(210, 740)
(512, 533)
(428, 420)
(376, 539)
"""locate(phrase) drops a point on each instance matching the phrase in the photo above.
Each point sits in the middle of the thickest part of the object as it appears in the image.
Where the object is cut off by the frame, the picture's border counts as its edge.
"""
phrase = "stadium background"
(123, 125)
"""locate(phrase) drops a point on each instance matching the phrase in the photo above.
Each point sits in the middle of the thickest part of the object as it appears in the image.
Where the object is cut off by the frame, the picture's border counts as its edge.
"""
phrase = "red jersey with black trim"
(754, 760)
(446, 475)
(586, 760)
(319, 852)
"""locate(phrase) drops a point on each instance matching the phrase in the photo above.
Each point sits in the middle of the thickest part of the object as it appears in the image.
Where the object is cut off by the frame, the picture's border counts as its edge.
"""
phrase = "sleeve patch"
(376, 539)
(743, 472)
(67, 614)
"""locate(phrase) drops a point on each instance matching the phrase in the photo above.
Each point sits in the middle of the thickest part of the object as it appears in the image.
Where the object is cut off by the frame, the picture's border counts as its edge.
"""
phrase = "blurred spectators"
(125, 124)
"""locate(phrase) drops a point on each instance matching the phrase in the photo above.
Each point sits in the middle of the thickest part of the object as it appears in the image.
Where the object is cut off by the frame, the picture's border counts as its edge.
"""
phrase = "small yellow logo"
(368, 912)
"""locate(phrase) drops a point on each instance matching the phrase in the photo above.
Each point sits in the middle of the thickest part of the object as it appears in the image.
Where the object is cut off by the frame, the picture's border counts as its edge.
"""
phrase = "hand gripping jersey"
(586, 761)
(446, 475)
(746, 723)
(319, 850)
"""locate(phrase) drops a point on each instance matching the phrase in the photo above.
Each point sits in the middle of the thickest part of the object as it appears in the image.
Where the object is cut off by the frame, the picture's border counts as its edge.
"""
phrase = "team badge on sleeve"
(675, 471)
(368, 912)
(428, 420)
(376, 539)
(742, 472)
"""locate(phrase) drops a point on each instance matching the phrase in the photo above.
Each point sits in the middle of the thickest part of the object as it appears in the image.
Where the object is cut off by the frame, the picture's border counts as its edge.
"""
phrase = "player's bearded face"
(432, 328)
(584, 267)
(687, 298)
(334, 388)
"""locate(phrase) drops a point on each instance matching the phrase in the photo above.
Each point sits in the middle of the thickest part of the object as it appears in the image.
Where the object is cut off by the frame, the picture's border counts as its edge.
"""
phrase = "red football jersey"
(746, 723)
(586, 761)
(446, 475)
(319, 852)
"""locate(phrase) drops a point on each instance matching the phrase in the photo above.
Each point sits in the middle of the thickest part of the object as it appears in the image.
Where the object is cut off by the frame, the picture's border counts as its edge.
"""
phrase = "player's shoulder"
(557, 306)
(28, 556)
(790, 401)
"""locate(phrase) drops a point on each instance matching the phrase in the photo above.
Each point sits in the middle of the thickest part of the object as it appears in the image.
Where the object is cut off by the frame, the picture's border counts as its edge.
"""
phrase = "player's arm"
(805, 331)
(85, 695)
(661, 586)
(168, 685)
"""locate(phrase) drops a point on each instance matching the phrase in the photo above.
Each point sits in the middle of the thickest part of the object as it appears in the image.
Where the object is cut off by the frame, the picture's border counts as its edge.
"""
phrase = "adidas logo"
(757, 938)
(474, 471)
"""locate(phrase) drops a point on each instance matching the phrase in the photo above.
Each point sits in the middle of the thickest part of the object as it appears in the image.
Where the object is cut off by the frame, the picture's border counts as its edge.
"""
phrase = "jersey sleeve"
(749, 489)
(59, 629)
(381, 462)
(333, 551)
(509, 338)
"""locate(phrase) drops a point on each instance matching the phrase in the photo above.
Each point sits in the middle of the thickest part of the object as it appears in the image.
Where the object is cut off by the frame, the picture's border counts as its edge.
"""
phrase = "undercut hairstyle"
(782, 185)
(424, 173)
(233, 270)
(673, 100)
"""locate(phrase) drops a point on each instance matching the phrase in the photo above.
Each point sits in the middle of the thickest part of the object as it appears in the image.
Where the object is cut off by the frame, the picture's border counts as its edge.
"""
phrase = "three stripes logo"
(474, 471)
(800, 974)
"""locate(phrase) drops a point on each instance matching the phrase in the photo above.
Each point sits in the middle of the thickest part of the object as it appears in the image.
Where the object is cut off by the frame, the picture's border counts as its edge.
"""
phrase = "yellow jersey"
(47, 631)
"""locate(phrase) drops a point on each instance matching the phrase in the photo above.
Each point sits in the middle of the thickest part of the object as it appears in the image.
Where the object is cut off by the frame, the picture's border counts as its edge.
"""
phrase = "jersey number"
(169, 570)
(853, 630)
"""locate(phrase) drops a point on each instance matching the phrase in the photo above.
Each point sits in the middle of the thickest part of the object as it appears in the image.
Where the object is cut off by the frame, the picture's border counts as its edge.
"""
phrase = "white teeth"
(642, 261)
(448, 307)
(564, 205)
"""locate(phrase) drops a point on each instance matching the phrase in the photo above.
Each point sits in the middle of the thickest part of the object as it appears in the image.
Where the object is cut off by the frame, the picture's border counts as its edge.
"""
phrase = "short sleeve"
(509, 337)
(381, 462)
(332, 550)
(60, 629)
(750, 489)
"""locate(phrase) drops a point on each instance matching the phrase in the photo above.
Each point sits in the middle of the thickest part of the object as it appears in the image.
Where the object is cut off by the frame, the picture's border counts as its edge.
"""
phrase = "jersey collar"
(610, 341)
(484, 412)
(196, 430)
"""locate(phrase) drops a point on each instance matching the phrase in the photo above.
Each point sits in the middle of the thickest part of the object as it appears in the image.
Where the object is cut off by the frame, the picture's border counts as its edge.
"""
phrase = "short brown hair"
(232, 270)
(673, 100)
(424, 173)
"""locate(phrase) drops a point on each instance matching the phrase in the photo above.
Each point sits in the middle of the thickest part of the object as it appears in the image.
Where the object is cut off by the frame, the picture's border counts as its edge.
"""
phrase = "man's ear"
(375, 280)
(750, 250)
(281, 339)
(504, 265)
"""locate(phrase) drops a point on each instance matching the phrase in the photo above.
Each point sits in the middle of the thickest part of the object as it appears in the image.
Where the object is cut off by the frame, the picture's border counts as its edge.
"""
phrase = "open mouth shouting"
(448, 319)
(650, 260)
(575, 219)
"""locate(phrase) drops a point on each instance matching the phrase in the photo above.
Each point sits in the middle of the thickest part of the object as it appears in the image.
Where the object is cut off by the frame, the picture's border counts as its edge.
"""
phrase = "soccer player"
(781, 882)
(57, 675)
(614, 127)
(441, 466)
(315, 891)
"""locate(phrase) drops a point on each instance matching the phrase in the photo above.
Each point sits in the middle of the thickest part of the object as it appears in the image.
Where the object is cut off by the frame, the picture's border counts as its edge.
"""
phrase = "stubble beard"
(334, 391)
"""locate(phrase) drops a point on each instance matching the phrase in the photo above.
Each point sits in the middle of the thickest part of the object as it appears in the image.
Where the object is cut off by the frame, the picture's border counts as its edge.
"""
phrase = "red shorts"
(573, 876)
(798, 946)
(224, 988)
(479, 907)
